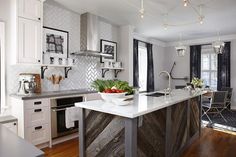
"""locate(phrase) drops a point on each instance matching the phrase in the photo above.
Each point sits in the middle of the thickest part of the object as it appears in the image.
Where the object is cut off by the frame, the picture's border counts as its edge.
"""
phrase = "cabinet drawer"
(36, 116)
(37, 134)
(36, 103)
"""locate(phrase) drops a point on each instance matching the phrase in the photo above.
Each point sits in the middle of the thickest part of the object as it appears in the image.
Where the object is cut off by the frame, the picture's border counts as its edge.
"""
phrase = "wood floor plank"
(212, 143)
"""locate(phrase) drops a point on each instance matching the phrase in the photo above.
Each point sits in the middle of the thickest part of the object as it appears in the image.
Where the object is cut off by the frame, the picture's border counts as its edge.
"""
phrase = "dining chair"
(229, 96)
(215, 105)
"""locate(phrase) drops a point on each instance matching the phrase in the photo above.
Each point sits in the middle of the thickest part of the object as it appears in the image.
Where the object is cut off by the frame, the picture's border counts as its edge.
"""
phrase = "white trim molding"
(149, 40)
(2, 51)
(203, 40)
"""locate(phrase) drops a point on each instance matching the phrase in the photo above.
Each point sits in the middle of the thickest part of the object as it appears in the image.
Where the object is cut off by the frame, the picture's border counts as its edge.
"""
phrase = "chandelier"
(218, 46)
(181, 49)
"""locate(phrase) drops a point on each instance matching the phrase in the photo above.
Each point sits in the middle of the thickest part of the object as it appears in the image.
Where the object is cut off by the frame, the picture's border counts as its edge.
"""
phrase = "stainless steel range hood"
(89, 36)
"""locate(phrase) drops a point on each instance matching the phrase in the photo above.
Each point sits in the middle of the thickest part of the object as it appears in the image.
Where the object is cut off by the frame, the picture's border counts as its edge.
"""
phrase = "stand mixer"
(27, 84)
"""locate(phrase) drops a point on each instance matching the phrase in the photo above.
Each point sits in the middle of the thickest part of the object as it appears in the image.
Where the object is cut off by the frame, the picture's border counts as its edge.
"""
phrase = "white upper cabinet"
(30, 9)
(29, 41)
(29, 31)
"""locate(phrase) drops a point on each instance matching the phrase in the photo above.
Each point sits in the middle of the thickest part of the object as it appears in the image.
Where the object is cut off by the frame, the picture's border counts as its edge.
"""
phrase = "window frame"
(142, 45)
(209, 71)
(2, 66)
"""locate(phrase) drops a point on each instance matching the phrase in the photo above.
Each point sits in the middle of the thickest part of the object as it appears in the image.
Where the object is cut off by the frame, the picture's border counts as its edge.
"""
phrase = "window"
(209, 66)
(2, 65)
(142, 61)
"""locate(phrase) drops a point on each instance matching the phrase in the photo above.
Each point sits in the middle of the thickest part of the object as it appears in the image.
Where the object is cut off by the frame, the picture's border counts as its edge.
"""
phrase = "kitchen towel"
(72, 115)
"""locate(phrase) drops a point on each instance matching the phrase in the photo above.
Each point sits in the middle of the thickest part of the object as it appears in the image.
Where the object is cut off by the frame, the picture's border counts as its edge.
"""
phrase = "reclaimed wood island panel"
(162, 132)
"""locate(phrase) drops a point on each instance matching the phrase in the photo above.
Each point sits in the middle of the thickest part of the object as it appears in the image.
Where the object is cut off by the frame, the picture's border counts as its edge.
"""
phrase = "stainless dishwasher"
(58, 122)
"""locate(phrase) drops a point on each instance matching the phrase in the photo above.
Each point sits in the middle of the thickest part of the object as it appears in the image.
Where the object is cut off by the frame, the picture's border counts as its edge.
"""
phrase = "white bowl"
(109, 96)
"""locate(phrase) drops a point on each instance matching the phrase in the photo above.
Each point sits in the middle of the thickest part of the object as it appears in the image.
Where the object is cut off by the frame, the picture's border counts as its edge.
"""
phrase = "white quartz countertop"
(141, 104)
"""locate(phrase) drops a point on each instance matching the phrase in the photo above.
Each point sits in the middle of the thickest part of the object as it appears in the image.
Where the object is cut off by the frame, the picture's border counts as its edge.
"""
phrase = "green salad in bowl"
(112, 89)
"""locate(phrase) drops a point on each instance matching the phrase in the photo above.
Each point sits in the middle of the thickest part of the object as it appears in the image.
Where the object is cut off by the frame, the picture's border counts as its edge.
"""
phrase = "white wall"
(126, 53)
(182, 67)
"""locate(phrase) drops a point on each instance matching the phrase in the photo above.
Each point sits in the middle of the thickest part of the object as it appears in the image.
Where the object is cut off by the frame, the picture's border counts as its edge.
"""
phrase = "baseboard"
(59, 140)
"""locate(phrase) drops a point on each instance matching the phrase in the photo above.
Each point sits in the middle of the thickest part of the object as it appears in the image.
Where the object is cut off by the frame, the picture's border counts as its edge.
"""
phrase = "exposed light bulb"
(141, 11)
(201, 19)
(165, 27)
(185, 3)
(142, 16)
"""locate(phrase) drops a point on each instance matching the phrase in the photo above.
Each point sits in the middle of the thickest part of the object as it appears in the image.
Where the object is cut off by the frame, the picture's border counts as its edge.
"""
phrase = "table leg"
(82, 132)
(131, 143)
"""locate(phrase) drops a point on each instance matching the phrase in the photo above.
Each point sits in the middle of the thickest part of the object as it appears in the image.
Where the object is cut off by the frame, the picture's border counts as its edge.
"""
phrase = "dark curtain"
(135, 64)
(195, 61)
(150, 70)
(223, 71)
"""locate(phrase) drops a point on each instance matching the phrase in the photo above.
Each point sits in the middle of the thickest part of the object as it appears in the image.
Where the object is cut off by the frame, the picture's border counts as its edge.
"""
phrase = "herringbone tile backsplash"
(86, 70)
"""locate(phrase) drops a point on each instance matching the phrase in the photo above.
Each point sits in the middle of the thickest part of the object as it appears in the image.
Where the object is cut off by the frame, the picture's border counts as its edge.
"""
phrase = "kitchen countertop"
(141, 104)
(14, 146)
(53, 94)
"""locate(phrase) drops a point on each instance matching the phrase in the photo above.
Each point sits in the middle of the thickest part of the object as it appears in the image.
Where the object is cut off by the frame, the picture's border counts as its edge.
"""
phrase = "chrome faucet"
(169, 79)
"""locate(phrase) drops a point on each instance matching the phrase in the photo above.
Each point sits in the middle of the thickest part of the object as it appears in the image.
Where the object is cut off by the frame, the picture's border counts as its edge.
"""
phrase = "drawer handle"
(38, 128)
(37, 103)
(37, 110)
(14, 124)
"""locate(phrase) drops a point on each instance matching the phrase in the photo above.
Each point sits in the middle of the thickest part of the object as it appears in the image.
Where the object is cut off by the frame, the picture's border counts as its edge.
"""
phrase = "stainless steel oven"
(58, 123)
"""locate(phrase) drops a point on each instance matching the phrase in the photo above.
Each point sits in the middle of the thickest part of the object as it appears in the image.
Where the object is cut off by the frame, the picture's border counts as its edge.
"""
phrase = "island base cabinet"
(162, 133)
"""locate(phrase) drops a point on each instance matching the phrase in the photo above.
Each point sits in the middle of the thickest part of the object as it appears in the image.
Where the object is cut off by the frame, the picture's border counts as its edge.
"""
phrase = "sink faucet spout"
(169, 79)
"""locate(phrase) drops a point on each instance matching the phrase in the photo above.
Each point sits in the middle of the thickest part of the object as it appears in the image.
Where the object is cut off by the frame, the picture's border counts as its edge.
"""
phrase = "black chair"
(229, 96)
(215, 105)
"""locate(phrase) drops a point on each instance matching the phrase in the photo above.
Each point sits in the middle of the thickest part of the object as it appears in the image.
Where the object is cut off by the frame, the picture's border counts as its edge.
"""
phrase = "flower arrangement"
(197, 83)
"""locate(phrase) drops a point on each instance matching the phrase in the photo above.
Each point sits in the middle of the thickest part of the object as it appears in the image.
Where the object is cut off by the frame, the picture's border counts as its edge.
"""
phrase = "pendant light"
(142, 11)
(185, 3)
(181, 49)
(218, 46)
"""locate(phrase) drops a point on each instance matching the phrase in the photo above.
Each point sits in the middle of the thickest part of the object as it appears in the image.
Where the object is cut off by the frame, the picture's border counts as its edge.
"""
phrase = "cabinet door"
(30, 9)
(29, 42)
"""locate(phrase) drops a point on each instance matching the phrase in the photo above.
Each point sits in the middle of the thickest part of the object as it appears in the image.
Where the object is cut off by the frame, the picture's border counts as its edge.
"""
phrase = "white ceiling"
(220, 15)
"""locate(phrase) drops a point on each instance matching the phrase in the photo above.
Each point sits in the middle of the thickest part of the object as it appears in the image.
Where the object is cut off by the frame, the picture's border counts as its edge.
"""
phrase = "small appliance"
(27, 84)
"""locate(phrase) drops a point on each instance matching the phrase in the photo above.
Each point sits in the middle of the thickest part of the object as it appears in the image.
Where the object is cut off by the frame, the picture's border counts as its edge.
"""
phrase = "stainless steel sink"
(155, 94)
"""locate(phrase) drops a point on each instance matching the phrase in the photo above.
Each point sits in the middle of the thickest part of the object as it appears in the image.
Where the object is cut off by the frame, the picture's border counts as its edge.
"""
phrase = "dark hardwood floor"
(212, 143)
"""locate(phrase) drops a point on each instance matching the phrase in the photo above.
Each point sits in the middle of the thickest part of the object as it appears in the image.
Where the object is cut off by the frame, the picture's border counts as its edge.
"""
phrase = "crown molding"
(149, 40)
(203, 40)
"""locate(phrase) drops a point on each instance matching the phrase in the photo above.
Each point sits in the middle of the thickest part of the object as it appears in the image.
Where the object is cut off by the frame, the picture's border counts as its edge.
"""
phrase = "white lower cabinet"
(33, 119)
(12, 126)
(38, 134)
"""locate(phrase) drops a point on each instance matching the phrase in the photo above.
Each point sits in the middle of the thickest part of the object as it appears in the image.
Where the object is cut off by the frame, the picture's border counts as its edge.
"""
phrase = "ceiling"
(219, 16)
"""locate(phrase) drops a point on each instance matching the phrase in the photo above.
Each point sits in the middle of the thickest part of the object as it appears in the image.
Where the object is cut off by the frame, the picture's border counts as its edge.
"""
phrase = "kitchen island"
(148, 127)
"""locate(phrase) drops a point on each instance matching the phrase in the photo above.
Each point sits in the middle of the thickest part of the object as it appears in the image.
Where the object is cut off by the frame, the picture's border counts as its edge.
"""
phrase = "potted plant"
(197, 83)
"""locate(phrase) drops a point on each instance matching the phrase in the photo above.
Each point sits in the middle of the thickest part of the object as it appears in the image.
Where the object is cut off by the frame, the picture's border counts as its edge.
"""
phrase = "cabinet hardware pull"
(37, 103)
(38, 128)
(39, 18)
(14, 123)
(39, 61)
(37, 110)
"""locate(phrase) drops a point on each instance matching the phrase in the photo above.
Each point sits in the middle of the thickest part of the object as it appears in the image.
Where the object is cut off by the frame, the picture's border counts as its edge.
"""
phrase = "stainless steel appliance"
(27, 84)
(58, 123)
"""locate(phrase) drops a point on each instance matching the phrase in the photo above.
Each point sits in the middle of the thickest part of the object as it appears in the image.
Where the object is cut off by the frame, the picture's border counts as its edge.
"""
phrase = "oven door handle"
(56, 110)
(64, 106)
